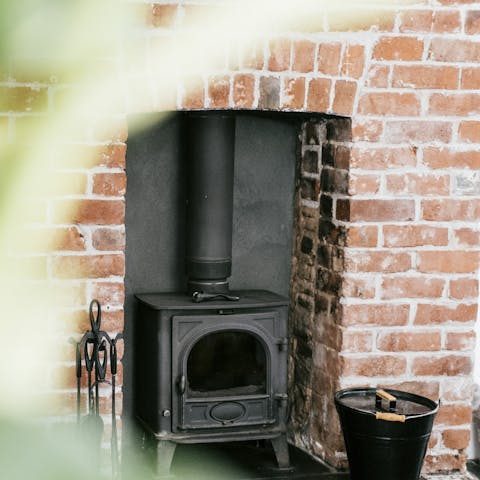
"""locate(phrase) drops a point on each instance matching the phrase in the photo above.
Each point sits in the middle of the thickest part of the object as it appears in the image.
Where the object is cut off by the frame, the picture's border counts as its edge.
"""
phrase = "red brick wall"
(410, 84)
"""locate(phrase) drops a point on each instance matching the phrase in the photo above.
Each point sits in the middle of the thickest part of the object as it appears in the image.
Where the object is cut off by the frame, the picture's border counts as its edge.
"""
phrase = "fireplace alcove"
(266, 188)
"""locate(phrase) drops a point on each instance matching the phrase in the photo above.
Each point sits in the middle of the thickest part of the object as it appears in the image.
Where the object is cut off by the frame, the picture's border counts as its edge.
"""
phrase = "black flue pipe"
(209, 147)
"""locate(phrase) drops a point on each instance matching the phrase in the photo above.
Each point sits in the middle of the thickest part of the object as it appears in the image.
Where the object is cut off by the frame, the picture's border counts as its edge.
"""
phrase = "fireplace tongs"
(198, 297)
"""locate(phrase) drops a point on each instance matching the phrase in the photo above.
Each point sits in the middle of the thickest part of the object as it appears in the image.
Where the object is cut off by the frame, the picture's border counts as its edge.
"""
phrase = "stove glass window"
(229, 363)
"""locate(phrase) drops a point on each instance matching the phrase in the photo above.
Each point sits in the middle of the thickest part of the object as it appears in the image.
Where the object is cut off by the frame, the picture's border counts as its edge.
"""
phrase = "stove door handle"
(182, 384)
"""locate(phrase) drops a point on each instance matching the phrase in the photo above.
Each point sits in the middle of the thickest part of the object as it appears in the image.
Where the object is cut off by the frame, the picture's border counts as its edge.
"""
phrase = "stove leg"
(280, 447)
(164, 457)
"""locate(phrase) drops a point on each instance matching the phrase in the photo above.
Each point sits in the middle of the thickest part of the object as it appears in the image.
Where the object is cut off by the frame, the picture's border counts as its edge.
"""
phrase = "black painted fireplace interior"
(212, 372)
(263, 211)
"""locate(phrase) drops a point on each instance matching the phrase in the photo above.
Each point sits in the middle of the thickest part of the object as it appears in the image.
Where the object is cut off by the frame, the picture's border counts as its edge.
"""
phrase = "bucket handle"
(391, 415)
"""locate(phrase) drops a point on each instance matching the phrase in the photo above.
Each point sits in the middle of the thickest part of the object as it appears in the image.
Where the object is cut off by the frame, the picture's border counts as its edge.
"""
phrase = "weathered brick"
(467, 183)
(334, 181)
(454, 50)
(458, 104)
(329, 58)
(398, 48)
(194, 93)
(293, 93)
(366, 130)
(448, 261)
(447, 21)
(88, 266)
(357, 342)
(412, 287)
(425, 76)
(279, 59)
(375, 315)
(470, 78)
(363, 184)
(374, 366)
(319, 94)
(460, 341)
(111, 294)
(108, 239)
(163, 16)
(269, 93)
(444, 157)
(243, 91)
(448, 365)
(469, 131)
(219, 91)
(457, 389)
(417, 131)
(429, 314)
(355, 287)
(467, 237)
(464, 288)
(414, 236)
(454, 414)
(398, 104)
(416, 21)
(378, 76)
(420, 184)
(112, 156)
(377, 261)
(310, 188)
(314, 133)
(451, 209)
(409, 341)
(344, 97)
(96, 212)
(303, 56)
(472, 22)
(353, 61)
(337, 156)
(364, 236)
(339, 129)
(354, 210)
(310, 161)
(447, 462)
(110, 184)
(381, 158)
(456, 439)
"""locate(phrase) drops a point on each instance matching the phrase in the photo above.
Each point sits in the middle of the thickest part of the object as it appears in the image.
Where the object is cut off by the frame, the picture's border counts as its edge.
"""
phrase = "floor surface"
(245, 461)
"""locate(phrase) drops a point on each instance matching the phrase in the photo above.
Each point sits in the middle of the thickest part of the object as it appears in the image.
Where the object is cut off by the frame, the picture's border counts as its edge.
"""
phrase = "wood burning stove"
(211, 364)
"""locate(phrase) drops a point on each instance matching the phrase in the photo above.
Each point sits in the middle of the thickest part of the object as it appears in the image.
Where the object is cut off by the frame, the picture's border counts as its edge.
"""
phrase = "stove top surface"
(248, 299)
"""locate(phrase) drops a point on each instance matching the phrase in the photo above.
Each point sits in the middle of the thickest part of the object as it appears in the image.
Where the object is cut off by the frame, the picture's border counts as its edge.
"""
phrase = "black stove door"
(227, 370)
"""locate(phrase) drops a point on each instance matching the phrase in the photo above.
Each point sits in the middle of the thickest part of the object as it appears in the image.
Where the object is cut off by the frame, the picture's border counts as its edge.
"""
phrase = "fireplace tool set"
(93, 353)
